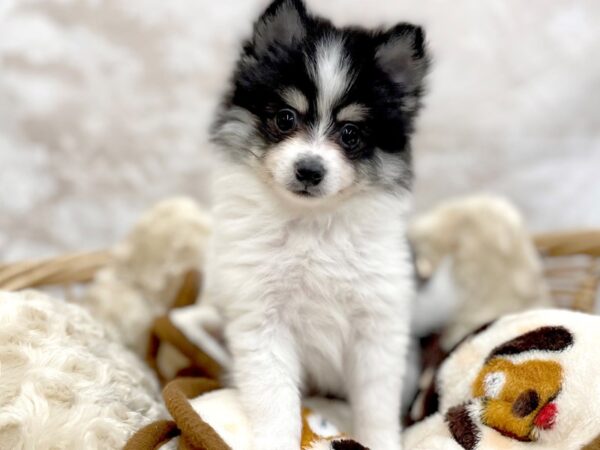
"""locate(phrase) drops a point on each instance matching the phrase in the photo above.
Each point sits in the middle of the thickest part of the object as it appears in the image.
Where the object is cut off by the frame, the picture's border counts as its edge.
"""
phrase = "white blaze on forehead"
(296, 99)
(331, 76)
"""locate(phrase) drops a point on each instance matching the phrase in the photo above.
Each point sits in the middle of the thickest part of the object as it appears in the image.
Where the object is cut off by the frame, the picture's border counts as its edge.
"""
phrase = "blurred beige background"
(104, 106)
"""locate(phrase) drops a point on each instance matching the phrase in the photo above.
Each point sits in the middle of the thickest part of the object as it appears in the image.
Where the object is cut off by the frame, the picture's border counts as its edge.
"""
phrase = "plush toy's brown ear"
(547, 339)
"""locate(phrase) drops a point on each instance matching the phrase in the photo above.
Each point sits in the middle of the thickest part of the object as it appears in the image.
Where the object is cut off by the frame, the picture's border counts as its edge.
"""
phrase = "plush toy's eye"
(286, 120)
(350, 136)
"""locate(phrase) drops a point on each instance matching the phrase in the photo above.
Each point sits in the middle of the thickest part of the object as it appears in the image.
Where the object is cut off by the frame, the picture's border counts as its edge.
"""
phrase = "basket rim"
(565, 243)
(80, 267)
(68, 268)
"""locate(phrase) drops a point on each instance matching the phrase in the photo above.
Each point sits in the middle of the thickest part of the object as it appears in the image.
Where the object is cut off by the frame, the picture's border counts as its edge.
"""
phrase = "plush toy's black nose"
(309, 171)
(526, 403)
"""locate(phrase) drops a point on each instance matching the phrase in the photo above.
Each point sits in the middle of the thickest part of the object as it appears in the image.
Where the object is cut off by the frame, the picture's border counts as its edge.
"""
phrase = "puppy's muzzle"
(309, 171)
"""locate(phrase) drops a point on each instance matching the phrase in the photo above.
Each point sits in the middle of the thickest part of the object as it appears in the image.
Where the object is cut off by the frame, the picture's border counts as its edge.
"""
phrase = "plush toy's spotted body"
(529, 381)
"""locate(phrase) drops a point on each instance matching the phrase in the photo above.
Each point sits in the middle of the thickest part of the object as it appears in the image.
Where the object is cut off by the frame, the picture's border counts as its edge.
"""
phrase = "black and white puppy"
(309, 265)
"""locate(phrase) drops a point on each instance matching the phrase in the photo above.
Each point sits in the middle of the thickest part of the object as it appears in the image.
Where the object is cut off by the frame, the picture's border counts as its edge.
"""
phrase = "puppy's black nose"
(310, 171)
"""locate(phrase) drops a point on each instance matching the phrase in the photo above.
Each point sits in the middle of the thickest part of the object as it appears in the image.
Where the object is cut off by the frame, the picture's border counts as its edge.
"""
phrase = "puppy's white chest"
(316, 270)
(321, 278)
(316, 293)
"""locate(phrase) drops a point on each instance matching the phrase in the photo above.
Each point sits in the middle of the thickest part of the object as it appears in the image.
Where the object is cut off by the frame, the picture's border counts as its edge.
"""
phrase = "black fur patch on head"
(386, 71)
(547, 339)
(462, 427)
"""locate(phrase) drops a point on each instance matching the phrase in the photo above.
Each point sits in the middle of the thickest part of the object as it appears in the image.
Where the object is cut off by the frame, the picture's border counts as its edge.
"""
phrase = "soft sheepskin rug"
(64, 382)
(105, 107)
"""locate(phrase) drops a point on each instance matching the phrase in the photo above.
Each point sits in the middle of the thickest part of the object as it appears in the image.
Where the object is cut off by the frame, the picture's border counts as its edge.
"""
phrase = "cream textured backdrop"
(104, 106)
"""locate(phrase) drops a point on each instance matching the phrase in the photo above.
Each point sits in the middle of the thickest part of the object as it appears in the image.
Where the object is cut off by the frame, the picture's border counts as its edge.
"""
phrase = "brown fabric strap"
(152, 349)
(197, 434)
(153, 436)
(164, 331)
(189, 291)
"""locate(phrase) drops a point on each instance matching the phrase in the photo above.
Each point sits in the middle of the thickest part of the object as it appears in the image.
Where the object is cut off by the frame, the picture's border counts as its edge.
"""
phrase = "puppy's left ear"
(402, 54)
(283, 23)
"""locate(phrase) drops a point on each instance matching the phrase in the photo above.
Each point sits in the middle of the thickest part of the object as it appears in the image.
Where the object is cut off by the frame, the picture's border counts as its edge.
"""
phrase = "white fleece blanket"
(104, 106)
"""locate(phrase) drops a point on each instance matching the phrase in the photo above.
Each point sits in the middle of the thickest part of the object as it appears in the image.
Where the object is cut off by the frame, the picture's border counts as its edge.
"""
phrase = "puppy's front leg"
(376, 369)
(266, 372)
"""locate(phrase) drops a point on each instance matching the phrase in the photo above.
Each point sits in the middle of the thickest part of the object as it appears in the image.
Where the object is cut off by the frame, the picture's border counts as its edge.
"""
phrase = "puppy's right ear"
(403, 55)
(282, 24)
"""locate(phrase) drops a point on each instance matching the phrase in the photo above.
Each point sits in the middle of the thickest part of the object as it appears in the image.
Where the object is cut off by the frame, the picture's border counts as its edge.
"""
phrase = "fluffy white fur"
(312, 297)
(493, 267)
(65, 382)
(332, 78)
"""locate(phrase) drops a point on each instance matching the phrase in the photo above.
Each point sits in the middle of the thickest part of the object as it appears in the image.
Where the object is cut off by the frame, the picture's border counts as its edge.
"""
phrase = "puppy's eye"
(350, 136)
(286, 120)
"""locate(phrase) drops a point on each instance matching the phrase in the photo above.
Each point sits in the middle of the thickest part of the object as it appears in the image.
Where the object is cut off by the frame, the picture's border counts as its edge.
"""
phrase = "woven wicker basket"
(572, 261)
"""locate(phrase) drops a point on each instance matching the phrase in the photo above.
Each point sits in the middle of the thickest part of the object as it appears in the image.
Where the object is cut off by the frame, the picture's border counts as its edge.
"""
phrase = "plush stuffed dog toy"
(527, 381)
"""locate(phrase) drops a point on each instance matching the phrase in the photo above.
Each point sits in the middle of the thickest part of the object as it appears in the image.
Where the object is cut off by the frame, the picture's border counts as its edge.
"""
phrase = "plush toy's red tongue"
(546, 418)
